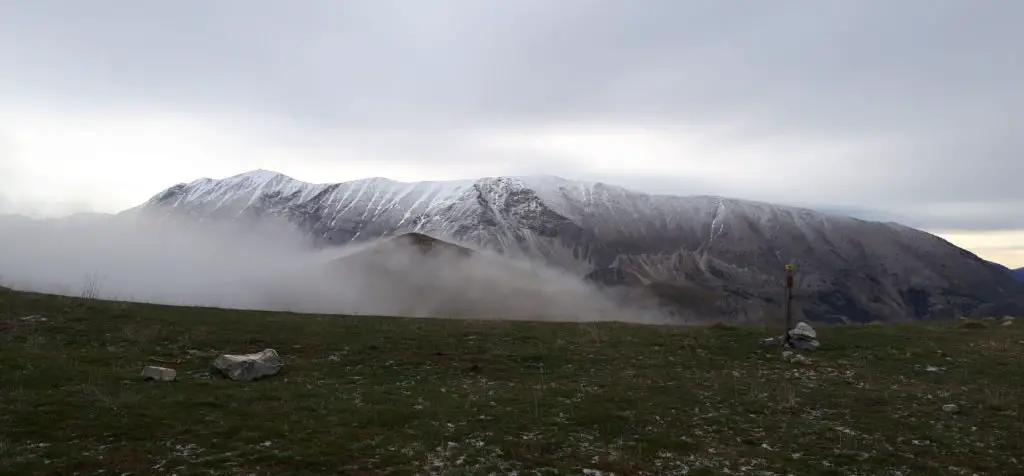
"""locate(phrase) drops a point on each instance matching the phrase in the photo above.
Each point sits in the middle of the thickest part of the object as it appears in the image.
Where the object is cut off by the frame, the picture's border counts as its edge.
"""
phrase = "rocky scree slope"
(723, 255)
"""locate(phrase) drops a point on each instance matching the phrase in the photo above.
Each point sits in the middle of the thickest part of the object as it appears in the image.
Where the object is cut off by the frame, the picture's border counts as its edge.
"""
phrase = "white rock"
(1007, 323)
(803, 329)
(248, 367)
(950, 408)
(803, 336)
(162, 374)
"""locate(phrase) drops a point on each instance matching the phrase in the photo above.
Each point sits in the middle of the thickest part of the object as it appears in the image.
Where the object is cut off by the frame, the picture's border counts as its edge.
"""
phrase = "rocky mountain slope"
(728, 252)
(1017, 274)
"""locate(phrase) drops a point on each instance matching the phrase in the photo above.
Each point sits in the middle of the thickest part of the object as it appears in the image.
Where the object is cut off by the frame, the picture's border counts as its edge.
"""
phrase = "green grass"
(403, 396)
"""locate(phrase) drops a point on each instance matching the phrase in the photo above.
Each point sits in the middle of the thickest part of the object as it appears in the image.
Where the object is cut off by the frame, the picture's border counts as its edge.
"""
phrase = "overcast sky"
(907, 109)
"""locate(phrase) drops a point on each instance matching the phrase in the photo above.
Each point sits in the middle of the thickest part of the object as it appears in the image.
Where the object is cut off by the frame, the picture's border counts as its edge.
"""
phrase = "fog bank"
(269, 265)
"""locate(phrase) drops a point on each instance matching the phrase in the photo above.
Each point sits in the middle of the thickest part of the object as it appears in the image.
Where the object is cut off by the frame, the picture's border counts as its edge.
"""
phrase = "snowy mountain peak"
(258, 175)
(575, 200)
(730, 249)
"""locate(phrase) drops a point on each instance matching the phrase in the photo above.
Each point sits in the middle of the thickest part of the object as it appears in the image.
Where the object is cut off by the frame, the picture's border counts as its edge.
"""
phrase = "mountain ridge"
(264, 176)
(849, 269)
(1017, 274)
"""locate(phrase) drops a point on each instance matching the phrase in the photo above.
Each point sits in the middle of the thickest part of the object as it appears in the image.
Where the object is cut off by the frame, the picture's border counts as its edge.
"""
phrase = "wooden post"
(789, 304)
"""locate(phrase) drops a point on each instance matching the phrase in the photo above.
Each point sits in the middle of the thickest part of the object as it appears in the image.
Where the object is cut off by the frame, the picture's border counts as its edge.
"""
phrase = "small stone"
(950, 408)
(786, 355)
(34, 318)
(201, 354)
(199, 374)
(1007, 323)
(162, 374)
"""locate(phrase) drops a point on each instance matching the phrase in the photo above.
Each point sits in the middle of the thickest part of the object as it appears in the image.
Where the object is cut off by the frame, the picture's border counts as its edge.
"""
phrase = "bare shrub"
(91, 286)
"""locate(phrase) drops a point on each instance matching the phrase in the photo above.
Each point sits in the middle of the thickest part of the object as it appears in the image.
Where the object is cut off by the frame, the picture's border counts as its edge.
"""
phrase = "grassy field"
(401, 396)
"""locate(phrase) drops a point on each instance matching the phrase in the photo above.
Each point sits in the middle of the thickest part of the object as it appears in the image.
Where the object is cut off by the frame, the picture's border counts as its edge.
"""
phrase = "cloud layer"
(907, 108)
(269, 265)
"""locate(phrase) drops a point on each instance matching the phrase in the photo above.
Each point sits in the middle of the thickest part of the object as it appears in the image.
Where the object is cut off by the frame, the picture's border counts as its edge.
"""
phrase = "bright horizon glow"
(1005, 247)
(62, 161)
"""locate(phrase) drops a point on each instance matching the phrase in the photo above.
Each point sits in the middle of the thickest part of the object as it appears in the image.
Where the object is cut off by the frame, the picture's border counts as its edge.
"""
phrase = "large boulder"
(247, 367)
(803, 336)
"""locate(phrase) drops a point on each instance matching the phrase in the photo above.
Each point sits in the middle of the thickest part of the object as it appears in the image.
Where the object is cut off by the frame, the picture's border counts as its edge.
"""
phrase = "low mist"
(270, 265)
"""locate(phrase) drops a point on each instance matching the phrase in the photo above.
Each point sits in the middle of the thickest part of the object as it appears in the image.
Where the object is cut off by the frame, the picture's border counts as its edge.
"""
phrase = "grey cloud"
(988, 217)
(466, 62)
(935, 83)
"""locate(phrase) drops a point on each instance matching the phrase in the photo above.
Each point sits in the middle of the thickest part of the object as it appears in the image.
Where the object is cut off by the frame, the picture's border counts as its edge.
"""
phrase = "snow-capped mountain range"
(848, 269)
